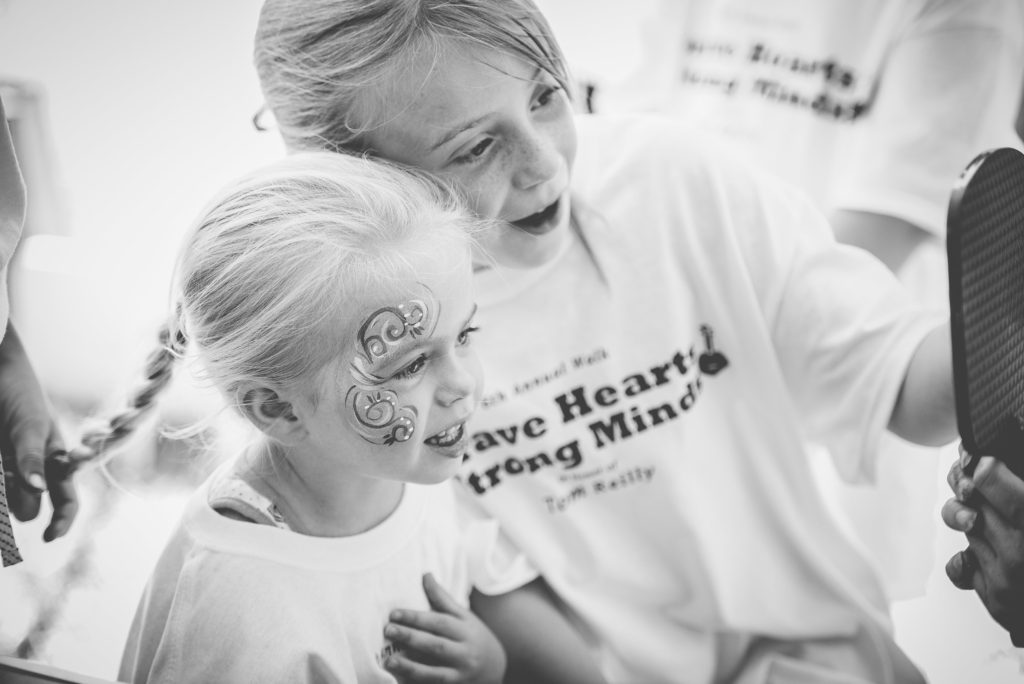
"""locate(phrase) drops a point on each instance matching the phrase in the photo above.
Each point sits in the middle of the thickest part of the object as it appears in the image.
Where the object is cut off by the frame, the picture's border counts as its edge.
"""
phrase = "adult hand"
(31, 446)
(446, 644)
(989, 508)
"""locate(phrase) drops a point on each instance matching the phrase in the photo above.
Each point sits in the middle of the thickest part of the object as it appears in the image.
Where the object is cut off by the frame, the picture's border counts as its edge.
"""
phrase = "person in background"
(871, 108)
(31, 446)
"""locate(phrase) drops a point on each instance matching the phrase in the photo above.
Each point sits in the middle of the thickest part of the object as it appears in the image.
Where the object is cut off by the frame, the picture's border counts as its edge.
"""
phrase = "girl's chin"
(517, 249)
(439, 472)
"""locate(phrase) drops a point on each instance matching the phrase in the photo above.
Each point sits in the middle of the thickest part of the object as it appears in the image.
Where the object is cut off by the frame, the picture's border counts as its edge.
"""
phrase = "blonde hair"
(315, 57)
(270, 262)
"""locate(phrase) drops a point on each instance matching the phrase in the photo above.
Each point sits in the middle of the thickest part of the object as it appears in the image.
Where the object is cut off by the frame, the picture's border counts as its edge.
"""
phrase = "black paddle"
(985, 244)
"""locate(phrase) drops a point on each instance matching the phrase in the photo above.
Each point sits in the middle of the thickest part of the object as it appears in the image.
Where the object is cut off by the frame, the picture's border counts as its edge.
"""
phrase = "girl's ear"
(272, 415)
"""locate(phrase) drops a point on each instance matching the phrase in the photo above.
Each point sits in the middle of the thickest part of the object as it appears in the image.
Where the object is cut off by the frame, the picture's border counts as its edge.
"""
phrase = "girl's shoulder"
(647, 131)
(635, 137)
(652, 151)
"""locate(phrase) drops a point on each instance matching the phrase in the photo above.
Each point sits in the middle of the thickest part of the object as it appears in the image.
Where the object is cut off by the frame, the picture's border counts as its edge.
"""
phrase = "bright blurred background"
(129, 115)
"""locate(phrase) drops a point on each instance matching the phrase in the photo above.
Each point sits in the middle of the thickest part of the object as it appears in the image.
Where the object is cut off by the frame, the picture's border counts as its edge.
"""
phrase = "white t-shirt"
(874, 105)
(641, 436)
(234, 601)
(866, 105)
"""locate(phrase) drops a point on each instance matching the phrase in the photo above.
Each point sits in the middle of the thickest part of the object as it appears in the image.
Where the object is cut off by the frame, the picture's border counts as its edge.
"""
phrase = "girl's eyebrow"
(454, 132)
(415, 344)
(459, 129)
(469, 318)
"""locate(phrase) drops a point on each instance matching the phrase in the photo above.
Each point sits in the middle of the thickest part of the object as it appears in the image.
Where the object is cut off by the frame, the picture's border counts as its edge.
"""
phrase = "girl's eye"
(413, 368)
(475, 152)
(546, 96)
(464, 336)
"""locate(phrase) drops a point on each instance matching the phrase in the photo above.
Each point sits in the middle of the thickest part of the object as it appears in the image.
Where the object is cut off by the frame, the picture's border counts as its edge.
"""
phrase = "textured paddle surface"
(985, 244)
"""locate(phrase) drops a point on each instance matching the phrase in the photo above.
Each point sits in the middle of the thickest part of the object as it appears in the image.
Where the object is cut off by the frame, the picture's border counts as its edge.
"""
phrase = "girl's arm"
(30, 440)
(889, 238)
(925, 410)
(540, 643)
(34, 458)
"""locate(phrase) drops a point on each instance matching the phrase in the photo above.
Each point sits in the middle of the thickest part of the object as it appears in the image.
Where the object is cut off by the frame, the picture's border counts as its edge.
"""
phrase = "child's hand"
(989, 508)
(32, 450)
(446, 644)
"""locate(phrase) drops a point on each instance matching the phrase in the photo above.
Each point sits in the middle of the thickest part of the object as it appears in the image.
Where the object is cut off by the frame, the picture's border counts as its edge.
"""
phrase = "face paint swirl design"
(374, 409)
(376, 416)
(386, 329)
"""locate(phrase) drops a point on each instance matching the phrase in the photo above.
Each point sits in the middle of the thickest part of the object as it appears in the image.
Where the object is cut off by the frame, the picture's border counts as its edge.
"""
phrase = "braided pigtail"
(274, 266)
(110, 434)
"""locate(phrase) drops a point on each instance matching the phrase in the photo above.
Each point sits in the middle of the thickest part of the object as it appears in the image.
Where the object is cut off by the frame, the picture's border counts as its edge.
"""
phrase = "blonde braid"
(113, 432)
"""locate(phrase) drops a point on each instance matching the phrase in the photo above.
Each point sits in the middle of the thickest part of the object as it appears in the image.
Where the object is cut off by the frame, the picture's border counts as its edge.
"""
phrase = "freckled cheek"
(379, 416)
(486, 191)
(566, 137)
(476, 368)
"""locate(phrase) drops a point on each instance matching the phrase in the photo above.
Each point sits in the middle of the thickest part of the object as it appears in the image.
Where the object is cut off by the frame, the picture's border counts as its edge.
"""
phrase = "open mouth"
(539, 220)
(446, 438)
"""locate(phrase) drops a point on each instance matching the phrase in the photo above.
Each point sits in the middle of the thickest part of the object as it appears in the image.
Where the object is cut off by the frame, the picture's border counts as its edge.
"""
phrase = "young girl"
(328, 297)
(662, 331)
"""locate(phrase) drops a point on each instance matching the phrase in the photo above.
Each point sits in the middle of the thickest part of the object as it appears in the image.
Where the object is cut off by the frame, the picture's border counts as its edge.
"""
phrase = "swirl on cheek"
(376, 416)
(372, 409)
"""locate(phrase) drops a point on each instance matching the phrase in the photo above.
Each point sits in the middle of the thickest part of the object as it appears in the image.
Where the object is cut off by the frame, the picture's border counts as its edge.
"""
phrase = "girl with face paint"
(662, 331)
(329, 298)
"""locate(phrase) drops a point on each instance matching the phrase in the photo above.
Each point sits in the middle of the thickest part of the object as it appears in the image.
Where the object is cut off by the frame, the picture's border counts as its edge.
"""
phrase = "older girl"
(662, 330)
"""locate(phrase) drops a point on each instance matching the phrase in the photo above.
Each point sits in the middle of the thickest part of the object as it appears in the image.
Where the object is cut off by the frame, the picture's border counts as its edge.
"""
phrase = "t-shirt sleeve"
(842, 326)
(845, 333)
(496, 565)
(949, 90)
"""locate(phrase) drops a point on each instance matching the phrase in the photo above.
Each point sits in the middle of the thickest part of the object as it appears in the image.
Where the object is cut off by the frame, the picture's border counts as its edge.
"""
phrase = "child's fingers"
(433, 649)
(985, 555)
(956, 472)
(965, 569)
(61, 487)
(440, 600)
(23, 502)
(994, 547)
(998, 542)
(409, 671)
(958, 516)
(960, 570)
(962, 485)
(1001, 488)
(1000, 595)
(427, 621)
(965, 459)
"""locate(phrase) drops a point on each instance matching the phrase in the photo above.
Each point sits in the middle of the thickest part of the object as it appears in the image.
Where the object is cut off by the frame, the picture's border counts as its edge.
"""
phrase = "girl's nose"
(459, 380)
(538, 160)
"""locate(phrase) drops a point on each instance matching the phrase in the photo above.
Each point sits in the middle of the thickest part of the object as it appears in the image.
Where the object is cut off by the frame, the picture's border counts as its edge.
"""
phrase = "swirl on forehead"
(377, 418)
(390, 327)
